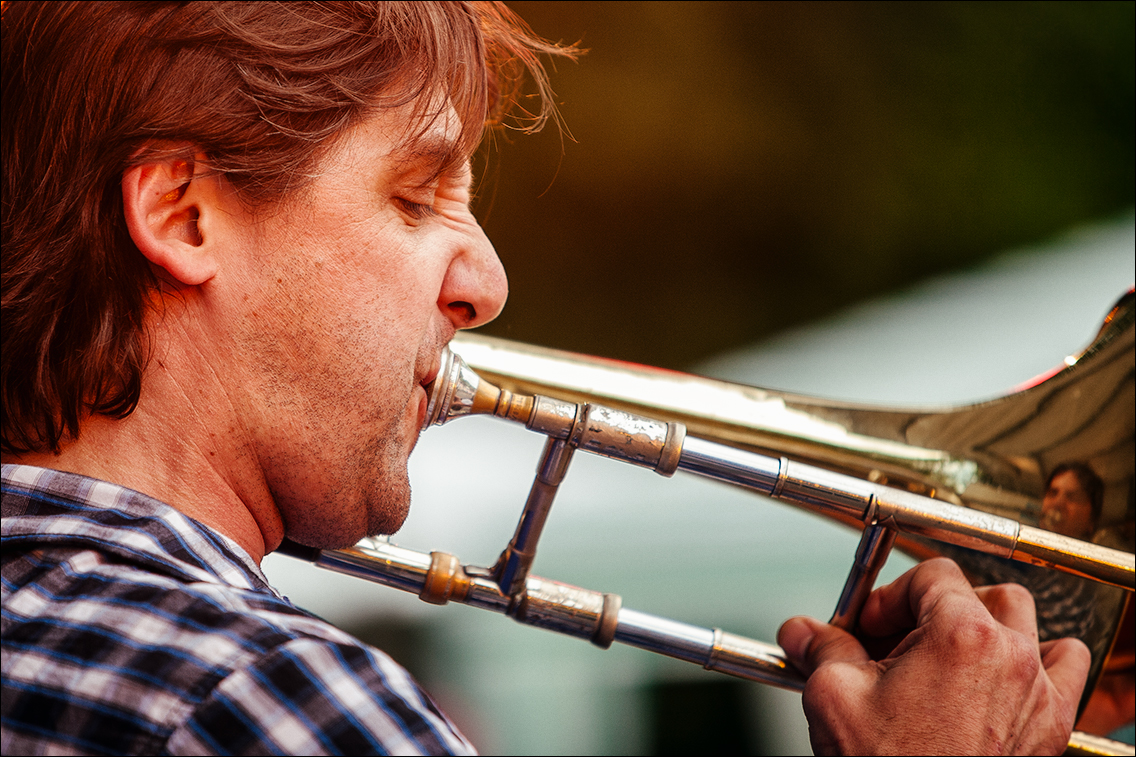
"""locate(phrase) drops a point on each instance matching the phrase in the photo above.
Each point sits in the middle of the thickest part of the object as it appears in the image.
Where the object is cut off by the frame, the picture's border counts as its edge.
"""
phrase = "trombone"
(961, 481)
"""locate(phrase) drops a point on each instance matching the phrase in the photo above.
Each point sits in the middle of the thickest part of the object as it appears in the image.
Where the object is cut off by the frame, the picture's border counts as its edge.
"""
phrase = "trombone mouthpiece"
(452, 392)
(458, 391)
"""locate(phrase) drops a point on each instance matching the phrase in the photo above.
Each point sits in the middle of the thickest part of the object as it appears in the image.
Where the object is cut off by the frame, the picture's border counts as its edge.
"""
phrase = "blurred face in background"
(1066, 508)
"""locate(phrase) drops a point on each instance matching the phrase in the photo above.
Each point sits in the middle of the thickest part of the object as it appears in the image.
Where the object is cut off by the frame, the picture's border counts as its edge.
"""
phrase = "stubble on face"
(338, 471)
(357, 483)
(343, 330)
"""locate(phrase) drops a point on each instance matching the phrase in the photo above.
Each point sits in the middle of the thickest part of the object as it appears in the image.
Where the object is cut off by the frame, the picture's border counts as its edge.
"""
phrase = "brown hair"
(262, 88)
(1089, 481)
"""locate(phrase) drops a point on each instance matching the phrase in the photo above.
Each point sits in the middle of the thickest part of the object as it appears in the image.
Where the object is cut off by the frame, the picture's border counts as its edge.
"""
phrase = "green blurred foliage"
(734, 169)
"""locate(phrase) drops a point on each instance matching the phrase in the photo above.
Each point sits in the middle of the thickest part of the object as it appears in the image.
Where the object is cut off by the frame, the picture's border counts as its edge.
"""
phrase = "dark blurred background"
(735, 169)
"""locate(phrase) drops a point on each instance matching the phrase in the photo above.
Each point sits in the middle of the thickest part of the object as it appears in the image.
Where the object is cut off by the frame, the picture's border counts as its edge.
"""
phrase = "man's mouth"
(428, 379)
(427, 384)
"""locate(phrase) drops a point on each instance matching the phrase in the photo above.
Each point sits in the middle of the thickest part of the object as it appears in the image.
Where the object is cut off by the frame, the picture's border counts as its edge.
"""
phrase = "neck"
(183, 445)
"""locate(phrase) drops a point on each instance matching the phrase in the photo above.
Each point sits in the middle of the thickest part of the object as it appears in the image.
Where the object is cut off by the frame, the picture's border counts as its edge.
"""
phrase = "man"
(236, 237)
(241, 238)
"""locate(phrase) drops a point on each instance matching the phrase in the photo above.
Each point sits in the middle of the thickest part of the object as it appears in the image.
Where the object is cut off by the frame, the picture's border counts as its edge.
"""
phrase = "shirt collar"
(44, 507)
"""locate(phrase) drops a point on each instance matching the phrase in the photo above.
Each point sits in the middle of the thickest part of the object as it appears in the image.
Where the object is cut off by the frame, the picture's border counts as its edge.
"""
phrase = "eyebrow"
(440, 154)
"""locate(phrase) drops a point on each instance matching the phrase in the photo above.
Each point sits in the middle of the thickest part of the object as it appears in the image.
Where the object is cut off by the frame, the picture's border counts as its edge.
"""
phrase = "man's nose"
(476, 287)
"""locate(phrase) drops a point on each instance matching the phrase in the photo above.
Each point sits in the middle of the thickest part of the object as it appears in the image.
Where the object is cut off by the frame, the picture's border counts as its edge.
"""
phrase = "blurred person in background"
(1074, 494)
(236, 237)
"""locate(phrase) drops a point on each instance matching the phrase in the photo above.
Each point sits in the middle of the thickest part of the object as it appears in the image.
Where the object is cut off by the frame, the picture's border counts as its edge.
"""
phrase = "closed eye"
(416, 210)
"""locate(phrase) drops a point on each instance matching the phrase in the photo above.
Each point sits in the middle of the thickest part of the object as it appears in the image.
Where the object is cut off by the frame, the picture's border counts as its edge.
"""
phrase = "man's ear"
(169, 208)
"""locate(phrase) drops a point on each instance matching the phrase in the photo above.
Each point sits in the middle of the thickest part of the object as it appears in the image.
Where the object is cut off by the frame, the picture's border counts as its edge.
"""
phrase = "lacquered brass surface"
(992, 456)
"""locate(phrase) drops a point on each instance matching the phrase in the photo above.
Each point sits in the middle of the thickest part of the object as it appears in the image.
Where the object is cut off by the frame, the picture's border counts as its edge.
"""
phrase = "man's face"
(1066, 508)
(343, 299)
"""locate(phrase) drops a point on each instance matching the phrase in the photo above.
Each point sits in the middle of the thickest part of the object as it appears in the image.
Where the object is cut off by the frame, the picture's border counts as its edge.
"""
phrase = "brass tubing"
(555, 606)
(731, 465)
(513, 565)
(459, 391)
(408, 570)
(1074, 556)
(871, 555)
(836, 494)
(966, 476)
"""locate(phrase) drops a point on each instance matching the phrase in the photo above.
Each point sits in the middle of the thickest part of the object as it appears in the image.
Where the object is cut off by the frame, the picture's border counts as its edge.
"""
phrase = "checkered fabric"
(129, 628)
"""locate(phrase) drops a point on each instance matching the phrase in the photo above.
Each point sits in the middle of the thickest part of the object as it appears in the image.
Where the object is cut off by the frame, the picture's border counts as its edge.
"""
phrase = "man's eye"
(416, 210)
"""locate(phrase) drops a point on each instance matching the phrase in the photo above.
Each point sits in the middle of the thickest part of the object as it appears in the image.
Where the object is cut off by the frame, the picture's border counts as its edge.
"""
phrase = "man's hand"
(966, 677)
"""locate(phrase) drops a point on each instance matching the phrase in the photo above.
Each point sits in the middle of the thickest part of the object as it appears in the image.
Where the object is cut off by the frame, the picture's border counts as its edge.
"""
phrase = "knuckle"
(973, 633)
(822, 647)
(943, 567)
(980, 638)
(1007, 596)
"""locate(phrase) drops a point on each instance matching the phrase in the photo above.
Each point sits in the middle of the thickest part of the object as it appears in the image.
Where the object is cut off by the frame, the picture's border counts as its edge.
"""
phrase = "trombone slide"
(591, 615)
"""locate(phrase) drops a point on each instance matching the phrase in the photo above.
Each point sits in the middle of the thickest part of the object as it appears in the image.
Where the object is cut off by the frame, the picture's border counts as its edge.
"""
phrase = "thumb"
(809, 643)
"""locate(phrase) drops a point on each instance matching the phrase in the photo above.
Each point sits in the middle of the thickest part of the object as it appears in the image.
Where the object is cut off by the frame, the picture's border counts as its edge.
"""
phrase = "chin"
(358, 487)
(379, 509)
(390, 517)
(388, 499)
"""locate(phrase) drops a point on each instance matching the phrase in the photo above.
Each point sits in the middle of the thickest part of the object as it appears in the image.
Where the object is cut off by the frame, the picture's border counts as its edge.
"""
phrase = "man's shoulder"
(53, 509)
(126, 630)
(142, 577)
(84, 553)
(317, 696)
(193, 668)
(77, 587)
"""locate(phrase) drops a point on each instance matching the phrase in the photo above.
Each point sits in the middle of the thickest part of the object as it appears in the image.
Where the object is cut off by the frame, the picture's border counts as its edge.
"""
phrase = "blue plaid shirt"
(129, 628)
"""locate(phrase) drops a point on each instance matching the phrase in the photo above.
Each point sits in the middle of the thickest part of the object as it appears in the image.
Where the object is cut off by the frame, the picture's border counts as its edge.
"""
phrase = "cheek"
(365, 287)
(369, 263)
